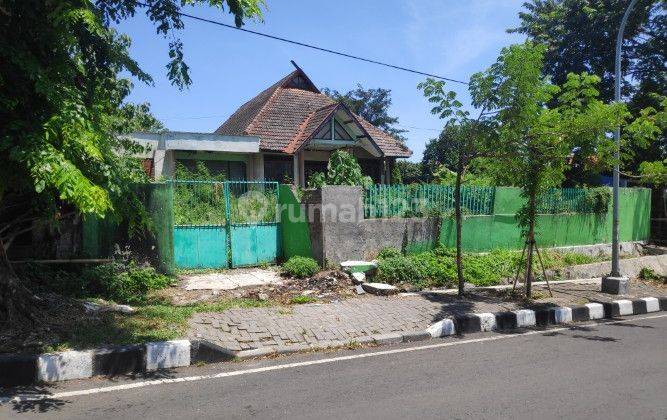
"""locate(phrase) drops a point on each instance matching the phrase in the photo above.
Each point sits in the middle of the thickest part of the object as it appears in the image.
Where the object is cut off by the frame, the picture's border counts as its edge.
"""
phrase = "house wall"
(339, 232)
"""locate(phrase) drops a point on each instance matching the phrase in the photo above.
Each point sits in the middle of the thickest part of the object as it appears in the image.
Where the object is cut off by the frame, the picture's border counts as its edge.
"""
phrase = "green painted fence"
(293, 225)
(500, 230)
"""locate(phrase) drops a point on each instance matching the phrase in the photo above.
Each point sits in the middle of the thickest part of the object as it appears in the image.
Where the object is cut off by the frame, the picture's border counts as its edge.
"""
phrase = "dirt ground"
(325, 286)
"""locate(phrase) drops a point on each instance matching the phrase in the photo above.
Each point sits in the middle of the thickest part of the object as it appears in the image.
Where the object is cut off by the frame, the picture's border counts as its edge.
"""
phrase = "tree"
(462, 141)
(60, 110)
(371, 104)
(535, 140)
(411, 172)
(138, 117)
(580, 37)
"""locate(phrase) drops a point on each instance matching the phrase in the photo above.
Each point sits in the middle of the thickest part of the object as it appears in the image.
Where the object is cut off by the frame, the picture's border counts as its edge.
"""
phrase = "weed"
(301, 299)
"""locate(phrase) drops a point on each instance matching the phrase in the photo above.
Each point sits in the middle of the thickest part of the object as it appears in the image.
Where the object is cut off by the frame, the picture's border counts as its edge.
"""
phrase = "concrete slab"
(231, 279)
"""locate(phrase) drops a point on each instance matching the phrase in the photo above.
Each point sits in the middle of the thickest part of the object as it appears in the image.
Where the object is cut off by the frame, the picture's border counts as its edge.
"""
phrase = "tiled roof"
(286, 114)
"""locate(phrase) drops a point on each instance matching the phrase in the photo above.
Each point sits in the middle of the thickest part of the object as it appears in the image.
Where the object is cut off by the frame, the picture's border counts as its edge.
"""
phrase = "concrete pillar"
(296, 171)
(302, 171)
(163, 164)
(259, 167)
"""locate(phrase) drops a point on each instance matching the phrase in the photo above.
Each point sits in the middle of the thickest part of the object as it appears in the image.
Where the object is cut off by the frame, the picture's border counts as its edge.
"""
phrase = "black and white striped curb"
(53, 367)
(522, 318)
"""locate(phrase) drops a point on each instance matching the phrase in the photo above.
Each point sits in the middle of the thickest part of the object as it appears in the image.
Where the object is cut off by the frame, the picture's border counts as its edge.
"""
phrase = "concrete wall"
(339, 232)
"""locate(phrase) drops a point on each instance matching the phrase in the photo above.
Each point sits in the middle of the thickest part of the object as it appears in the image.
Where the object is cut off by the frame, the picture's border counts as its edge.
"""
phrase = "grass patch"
(301, 299)
(151, 322)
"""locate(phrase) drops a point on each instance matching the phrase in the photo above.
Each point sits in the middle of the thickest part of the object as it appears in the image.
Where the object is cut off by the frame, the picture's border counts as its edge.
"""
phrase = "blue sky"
(452, 38)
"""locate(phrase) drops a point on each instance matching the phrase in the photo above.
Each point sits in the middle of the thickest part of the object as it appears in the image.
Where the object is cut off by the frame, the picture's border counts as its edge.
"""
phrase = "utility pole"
(615, 282)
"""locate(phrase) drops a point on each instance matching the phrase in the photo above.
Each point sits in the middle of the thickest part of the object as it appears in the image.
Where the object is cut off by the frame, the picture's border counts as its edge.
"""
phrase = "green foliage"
(124, 283)
(654, 173)
(396, 175)
(580, 35)
(300, 267)
(138, 117)
(372, 105)
(411, 172)
(199, 202)
(317, 180)
(389, 252)
(343, 169)
(437, 268)
(301, 299)
(647, 273)
(597, 199)
(62, 105)
(535, 140)
(117, 281)
(202, 202)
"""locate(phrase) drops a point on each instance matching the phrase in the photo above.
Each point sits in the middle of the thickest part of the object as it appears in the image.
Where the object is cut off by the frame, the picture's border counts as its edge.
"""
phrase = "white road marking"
(92, 391)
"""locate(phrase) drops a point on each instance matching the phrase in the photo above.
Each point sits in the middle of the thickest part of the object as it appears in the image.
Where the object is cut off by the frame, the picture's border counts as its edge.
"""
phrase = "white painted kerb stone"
(53, 367)
(624, 306)
(562, 315)
(167, 354)
(525, 318)
(595, 310)
(487, 321)
(652, 304)
(442, 328)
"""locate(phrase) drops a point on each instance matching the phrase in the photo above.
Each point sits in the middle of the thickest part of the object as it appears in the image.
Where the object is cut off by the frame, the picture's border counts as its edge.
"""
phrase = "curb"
(25, 369)
(522, 318)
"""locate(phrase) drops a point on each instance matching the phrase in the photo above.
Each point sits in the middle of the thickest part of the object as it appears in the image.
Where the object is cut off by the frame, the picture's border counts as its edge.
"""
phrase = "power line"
(303, 44)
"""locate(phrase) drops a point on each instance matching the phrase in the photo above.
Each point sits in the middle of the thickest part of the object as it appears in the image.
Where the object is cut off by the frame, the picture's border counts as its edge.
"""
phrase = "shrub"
(648, 274)
(389, 252)
(343, 169)
(124, 283)
(301, 267)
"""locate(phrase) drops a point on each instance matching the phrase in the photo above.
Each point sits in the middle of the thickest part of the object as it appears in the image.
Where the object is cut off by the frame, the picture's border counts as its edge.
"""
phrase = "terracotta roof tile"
(283, 117)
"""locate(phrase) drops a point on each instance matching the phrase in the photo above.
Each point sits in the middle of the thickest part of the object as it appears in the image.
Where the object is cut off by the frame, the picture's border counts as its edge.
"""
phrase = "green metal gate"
(225, 224)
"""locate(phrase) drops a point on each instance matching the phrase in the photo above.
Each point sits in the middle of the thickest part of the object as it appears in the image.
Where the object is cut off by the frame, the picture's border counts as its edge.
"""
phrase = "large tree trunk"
(457, 211)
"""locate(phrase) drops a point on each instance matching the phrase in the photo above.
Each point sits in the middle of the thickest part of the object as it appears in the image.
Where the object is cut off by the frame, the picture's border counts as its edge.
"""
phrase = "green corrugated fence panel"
(200, 247)
(254, 244)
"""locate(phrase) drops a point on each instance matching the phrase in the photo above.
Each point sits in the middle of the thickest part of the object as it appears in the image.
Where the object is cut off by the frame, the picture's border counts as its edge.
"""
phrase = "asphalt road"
(607, 370)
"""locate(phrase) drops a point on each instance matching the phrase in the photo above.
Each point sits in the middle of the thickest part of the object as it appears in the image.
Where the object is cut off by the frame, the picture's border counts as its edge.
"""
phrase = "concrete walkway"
(334, 323)
(231, 279)
(342, 322)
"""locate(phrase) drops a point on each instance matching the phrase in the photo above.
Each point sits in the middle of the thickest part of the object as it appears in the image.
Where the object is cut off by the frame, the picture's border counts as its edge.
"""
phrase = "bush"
(124, 283)
(437, 268)
(301, 267)
(389, 252)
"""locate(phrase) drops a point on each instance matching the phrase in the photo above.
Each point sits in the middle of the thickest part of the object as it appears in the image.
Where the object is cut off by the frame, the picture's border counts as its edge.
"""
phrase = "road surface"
(605, 371)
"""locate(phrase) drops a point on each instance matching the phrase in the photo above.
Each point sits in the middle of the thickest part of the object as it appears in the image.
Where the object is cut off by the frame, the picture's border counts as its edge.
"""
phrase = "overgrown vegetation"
(342, 169)
(64, 76)
(649, 274)
(199, 199)
(153, 321)
(437, 268)
(121, 282)
(300, 267)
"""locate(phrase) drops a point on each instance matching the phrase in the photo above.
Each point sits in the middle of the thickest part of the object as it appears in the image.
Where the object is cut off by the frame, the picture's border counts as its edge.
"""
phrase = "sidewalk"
(342, 322)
